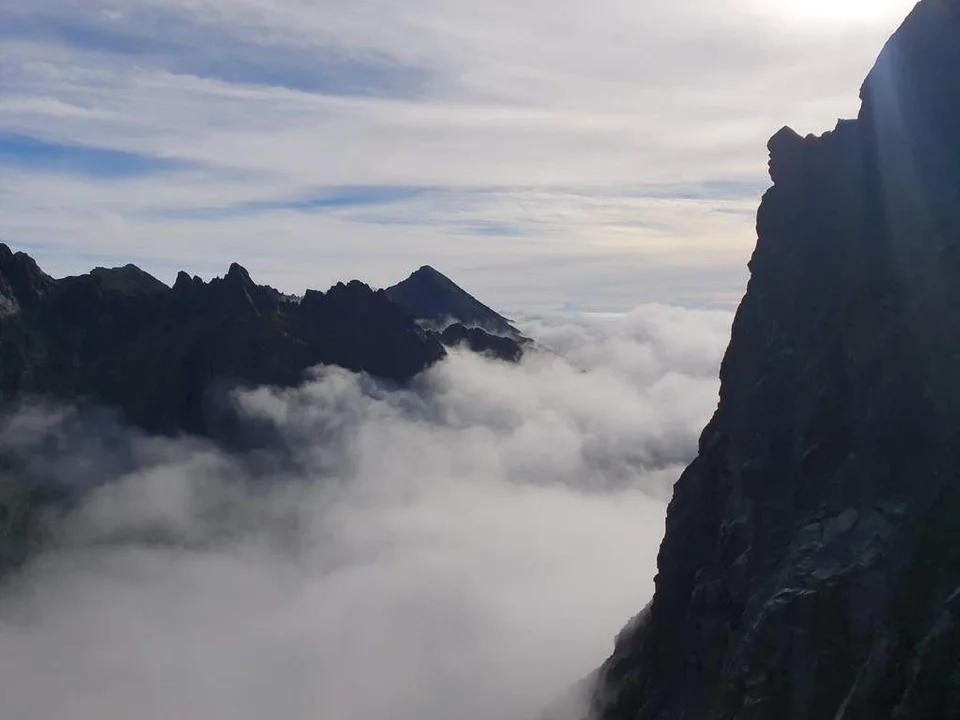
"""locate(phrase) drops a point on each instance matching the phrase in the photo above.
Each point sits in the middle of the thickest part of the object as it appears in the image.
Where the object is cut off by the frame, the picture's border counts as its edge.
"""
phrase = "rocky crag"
(811, 564)
(478, 340)
(124, 347)
(457, 319)
(162, 356)
(432, 298)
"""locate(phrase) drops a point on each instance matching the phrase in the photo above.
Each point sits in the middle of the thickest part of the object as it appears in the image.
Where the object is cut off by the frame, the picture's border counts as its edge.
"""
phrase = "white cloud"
(464, 548)
(530, 97)
(516, 249)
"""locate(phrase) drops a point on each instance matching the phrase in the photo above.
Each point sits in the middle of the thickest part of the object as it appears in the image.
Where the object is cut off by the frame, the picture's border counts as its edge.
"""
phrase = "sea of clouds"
(466, 547)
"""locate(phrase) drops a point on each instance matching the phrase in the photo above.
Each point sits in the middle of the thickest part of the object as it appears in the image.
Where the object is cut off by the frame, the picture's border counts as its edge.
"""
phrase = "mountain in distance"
(432, 298)
(122, 339)
(811, 564)
(457, 319)
(164, 357)
(506, 348)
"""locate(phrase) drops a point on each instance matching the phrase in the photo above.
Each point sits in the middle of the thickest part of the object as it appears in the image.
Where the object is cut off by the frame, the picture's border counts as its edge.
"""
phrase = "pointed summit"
(22, 282)
(238, 272)
(237, 292)
(427, 271)
(430, 296)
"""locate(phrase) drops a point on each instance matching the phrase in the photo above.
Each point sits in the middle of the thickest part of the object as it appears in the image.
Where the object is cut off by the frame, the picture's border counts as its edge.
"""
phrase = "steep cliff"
(811, 564)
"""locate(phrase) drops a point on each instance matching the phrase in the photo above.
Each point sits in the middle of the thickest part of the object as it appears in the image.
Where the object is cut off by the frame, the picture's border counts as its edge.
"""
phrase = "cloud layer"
(564, 135)
(465, 548)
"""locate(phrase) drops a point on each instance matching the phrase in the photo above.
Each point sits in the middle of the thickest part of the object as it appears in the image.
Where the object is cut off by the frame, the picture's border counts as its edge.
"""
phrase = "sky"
(545, 154)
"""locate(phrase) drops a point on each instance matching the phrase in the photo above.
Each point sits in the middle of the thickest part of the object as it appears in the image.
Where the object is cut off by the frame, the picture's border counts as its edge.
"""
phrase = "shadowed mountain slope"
(120, 338)
(811, 564)
(430, 296)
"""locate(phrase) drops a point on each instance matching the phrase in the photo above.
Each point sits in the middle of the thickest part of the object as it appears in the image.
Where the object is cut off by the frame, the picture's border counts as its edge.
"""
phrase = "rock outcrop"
(477, 340)
(811, 564)
(431, 297)
(161, 356)
(22, 283)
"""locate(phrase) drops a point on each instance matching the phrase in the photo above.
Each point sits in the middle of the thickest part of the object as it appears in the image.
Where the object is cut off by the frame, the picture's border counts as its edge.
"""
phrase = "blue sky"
(547, 154)
(26, 152)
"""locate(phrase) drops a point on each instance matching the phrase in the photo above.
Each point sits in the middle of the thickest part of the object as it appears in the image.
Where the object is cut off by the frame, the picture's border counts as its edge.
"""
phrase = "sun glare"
(844, 10)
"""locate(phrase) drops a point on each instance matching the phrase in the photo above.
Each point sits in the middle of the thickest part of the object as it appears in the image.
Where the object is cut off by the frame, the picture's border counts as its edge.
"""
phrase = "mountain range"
(119, 342)
(810, 568)
(165, 357)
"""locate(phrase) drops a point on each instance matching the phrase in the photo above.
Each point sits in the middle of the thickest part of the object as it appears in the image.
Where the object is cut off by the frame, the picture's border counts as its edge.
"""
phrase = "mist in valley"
(465, 547)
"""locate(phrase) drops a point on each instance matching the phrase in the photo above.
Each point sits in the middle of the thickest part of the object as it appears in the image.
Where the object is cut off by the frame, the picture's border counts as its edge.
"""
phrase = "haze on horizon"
(546, 155)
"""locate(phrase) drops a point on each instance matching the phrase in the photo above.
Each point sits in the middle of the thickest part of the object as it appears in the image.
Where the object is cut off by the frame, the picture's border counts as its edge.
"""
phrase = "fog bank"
(465, 548)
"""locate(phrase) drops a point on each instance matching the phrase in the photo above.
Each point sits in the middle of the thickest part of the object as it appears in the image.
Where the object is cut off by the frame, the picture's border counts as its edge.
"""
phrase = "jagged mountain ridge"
(118, 340)
(122, 339)
(811, 563)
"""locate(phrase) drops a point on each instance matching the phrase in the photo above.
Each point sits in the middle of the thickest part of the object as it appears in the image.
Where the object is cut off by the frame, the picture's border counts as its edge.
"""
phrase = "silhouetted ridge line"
(162, 356)
(430, 296)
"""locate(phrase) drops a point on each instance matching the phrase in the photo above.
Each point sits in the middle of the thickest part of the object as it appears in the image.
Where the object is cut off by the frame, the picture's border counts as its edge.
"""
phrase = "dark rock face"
(22, 283)
(811, 564)
(432, 297)
(480, 341)
(122, 339)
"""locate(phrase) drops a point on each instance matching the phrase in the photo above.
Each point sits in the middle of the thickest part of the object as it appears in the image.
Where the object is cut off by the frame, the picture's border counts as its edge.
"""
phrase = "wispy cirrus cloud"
(30, 153)
(161, 38)
(366, 137)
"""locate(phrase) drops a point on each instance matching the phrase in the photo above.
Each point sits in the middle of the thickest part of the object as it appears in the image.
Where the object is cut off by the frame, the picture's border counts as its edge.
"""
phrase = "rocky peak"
(429, 274)
(165, 358)
(128, 280)
(236, 293)
(786, 154)
(351, 289)
(910, 114)
(184, 283)
(22, 283)
(431, 297)
(238, 274)
(312, 300)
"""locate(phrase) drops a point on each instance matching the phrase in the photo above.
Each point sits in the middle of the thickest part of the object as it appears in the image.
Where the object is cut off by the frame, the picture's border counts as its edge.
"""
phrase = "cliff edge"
(811, 563)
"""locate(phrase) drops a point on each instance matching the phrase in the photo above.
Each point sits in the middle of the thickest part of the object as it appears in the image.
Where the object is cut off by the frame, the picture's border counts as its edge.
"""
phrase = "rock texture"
(120, 338)
(429, 296)
(477, 340)
(811, 564)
